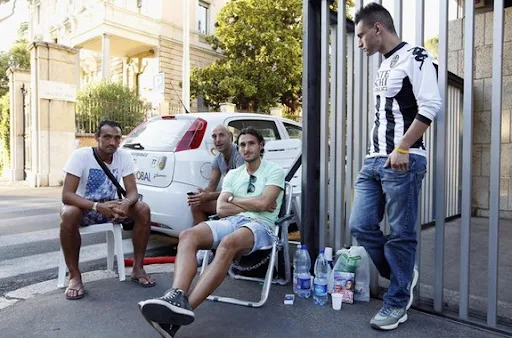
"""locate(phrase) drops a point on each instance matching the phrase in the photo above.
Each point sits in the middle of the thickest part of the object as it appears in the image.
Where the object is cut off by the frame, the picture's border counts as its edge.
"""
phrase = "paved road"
(29, 238)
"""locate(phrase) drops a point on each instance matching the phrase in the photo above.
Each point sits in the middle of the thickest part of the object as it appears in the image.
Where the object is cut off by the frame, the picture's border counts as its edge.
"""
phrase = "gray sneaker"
(414, 281)
(388, 318)
(173, 308)
(165, 330)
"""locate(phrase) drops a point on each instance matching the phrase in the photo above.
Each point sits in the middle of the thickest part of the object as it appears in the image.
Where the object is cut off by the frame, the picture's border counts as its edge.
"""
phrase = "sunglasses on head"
(251, 187)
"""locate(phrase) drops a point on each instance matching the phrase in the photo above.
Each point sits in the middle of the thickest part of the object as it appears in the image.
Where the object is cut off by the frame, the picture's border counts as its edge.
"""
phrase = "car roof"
(224, 115)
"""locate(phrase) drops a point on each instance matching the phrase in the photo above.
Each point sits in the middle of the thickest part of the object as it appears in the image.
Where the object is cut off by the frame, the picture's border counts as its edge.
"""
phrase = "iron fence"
(337, 86)
(90, 112)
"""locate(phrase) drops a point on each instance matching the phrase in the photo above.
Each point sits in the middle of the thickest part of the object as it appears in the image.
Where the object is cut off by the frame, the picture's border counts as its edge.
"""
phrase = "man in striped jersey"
(407, 99)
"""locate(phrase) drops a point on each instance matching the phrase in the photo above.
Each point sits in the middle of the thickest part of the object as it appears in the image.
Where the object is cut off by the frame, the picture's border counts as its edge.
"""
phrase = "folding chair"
(281, 231)
(114, 246)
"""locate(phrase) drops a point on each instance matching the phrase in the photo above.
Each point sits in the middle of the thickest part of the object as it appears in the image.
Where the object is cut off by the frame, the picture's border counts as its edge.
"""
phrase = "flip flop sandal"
(78, 295)
(149, 284)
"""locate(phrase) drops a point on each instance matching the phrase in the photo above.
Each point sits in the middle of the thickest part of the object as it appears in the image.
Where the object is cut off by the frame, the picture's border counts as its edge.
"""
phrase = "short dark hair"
(254, 132)
(373, 13)
(109, 123)
(251, 131)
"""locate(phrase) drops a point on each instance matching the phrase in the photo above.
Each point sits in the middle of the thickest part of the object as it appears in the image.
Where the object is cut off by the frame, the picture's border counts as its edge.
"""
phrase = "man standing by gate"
(407, 99)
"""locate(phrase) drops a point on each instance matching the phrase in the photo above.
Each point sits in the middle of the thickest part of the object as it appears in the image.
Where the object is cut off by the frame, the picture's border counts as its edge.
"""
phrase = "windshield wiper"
(134, 146)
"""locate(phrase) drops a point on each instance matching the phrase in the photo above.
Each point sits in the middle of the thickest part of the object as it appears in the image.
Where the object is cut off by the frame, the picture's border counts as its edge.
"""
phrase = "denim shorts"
(226, 226)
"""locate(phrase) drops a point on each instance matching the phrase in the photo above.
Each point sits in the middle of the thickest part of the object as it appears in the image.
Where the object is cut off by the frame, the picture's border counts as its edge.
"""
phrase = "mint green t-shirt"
(236, 182)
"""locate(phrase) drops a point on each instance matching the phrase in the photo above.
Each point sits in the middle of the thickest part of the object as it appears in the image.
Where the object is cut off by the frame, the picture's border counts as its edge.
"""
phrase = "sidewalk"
(110, 310)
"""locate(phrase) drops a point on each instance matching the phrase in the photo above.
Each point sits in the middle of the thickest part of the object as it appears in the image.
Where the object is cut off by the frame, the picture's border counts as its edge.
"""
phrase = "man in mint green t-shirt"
(248, 205)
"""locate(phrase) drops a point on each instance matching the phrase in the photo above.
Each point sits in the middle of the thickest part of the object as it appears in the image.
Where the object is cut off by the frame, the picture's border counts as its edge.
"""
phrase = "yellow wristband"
(401, 151)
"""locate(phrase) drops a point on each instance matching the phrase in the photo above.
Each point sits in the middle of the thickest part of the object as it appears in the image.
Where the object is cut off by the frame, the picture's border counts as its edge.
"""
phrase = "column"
(105, 59)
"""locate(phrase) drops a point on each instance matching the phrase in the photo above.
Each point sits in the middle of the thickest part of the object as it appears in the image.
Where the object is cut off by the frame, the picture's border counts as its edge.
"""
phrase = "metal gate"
(336, 104)
(27, 131)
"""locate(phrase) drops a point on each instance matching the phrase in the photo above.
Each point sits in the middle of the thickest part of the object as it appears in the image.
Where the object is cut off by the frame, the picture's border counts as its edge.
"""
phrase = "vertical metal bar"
(358, 104)
(420, 22)
(376, 58)
(341, 112)
(449, 148)
(334, 180)
(324, 120)
(311, 125)
(365, 111)
(495, 170)
(420, 28)
(350, 136)
(440, 157)
(398, 17)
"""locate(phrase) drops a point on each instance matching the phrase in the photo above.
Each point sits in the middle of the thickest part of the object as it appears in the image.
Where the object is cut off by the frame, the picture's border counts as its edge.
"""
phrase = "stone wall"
(170, 63)
(482, 91)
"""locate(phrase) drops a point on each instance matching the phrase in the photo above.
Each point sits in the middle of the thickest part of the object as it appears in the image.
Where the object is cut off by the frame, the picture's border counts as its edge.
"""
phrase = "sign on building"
(52, 90)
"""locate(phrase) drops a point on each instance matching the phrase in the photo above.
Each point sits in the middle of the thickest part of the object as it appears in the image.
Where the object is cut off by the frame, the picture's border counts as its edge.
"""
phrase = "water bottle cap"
(322, 251)
(347, 246)
(304, 246)
(328, 253)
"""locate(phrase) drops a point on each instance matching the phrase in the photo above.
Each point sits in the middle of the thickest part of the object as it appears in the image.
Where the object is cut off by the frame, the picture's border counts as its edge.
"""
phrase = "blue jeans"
(380, 189)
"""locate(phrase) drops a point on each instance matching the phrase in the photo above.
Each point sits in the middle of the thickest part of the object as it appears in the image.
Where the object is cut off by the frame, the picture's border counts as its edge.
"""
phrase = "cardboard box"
(344, 284)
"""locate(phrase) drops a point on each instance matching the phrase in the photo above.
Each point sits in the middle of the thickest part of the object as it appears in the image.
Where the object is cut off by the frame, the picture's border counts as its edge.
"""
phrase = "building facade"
(136, 42)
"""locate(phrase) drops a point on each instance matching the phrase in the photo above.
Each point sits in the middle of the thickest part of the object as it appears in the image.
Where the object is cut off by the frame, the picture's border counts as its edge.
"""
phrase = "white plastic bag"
(362, 285)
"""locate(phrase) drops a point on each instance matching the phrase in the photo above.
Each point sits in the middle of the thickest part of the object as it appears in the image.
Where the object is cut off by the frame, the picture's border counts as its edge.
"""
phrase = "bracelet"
(95, 206)
(129, 200)
(401, 151)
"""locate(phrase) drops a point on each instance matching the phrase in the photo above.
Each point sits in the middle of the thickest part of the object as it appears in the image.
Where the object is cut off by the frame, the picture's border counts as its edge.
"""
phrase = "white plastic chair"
(281, 224)
(114, 245)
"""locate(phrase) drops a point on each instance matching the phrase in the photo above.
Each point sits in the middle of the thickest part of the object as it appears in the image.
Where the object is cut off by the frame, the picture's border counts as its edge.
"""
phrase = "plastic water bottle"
(320, 283)
(303, 275)
(295, 268)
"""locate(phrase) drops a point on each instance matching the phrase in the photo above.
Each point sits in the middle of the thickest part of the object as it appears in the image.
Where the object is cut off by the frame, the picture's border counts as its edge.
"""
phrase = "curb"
(48, 286)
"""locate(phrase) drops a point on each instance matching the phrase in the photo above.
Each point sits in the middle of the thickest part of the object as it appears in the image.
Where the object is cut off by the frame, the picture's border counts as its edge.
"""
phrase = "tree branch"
(10, 14)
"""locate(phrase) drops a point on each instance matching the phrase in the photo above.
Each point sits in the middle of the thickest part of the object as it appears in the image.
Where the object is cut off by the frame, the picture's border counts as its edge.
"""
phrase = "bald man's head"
(222, 138)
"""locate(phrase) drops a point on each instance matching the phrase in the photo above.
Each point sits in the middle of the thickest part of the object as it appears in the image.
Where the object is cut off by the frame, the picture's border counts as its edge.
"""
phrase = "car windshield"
(158, 135)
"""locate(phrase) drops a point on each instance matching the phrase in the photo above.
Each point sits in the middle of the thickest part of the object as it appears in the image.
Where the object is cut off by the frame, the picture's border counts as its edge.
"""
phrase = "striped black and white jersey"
(405, 89)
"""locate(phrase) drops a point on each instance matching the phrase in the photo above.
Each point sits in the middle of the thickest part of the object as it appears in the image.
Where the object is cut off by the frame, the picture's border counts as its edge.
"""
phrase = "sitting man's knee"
(70, 216)
(188, 236)
(143, 212)
(228, 245)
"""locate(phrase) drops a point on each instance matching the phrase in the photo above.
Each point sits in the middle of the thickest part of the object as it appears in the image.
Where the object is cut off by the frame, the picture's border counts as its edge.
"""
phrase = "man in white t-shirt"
(90, 197)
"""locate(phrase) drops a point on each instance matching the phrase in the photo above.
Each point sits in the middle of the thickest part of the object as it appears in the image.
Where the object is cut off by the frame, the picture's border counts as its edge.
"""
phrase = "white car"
(173, 155)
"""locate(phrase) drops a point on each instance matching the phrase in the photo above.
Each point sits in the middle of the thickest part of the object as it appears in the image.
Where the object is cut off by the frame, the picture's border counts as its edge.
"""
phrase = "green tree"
(261, 41)
(432, 46)
(18, 56)
(108, 101)
(4, 131)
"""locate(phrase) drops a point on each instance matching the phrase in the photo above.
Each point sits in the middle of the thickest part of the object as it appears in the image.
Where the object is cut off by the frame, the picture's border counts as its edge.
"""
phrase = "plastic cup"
(336, 300)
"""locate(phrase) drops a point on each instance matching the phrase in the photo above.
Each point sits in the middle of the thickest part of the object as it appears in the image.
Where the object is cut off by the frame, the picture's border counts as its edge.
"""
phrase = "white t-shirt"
(94, 183)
